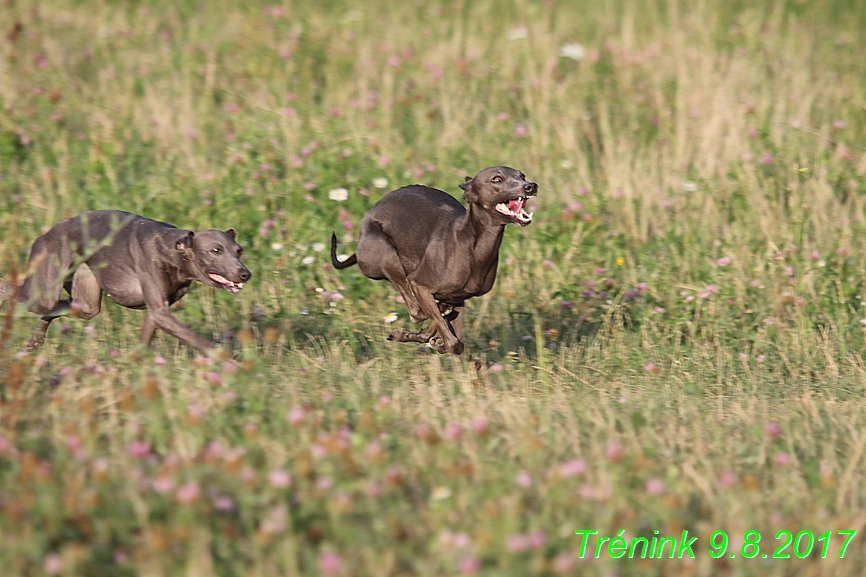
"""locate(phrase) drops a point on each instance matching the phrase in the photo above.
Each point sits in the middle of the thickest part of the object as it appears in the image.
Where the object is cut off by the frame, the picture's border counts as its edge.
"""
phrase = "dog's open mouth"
(234, 287)
(514, 209)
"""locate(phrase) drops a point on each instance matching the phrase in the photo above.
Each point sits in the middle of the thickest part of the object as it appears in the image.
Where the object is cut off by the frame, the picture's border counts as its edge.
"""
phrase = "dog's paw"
(458, 348)
(438, 345)
(401, 336)
(34, 343)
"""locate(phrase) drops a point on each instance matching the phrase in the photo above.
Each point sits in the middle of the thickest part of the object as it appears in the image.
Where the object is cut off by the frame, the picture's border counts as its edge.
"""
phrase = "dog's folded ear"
(231, 232)
(469, 194)
(184, 242)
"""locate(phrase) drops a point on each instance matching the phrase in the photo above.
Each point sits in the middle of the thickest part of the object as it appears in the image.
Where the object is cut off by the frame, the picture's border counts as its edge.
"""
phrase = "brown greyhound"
(437, 253)
(138, 262)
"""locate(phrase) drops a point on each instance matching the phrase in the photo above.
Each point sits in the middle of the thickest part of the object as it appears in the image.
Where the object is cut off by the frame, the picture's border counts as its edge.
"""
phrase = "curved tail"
(337, 264)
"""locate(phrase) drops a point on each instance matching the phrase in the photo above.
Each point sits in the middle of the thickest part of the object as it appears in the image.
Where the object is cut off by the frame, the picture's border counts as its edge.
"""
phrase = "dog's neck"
(184, 269)
(484, 233)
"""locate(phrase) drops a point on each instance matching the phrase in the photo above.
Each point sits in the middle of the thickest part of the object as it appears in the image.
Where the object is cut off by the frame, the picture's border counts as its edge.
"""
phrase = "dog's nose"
(530, 188)
(245, 275)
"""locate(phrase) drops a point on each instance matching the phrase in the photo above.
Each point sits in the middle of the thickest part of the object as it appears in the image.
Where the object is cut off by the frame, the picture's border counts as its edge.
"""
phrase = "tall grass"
(675, 343)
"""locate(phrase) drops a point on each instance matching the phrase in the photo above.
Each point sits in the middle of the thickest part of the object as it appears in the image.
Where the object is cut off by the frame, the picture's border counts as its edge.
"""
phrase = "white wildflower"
(277, 246)
(390, 317)
(440, 493)
(689, 186)
(318, 246)
(380, 182)
(517, 33)
(338, 194)
(572, 50)
(308, 260)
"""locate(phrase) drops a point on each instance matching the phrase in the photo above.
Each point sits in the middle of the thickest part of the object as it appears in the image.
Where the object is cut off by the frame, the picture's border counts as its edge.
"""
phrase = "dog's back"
(411, 216)
(85, 232)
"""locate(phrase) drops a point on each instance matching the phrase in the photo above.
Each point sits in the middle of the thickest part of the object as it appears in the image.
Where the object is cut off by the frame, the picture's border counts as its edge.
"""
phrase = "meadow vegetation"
(676, 343)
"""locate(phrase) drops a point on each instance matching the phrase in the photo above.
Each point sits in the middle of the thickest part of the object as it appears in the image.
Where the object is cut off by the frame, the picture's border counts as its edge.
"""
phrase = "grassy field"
(675, 344)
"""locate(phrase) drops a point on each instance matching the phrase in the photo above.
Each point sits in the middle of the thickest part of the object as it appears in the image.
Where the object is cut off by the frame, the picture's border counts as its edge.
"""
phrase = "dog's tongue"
(229, 285)
(515, 205)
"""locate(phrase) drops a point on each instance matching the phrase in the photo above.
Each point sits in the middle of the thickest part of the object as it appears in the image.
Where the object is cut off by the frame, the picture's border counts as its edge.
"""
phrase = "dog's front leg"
(162, 319)
(429, 305)
(156, 293)
(453, 315)
(148, 329)
(416, 314)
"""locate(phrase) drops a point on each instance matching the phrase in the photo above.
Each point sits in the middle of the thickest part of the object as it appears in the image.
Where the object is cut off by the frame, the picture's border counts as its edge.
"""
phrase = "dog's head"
(216, 257)
(502, 191)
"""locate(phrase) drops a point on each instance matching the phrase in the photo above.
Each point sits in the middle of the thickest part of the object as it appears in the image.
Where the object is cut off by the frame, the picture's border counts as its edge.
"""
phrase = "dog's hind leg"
(61, 308)
(38, 336)
(378, 259)
(49, 266)
(86, 293)
(455, 320)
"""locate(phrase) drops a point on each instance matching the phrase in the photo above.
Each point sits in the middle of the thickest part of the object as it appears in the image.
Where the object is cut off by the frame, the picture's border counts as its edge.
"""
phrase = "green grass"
(676, 343)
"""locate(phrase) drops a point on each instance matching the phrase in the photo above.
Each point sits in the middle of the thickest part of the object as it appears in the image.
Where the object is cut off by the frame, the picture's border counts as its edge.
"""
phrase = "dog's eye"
(216, 250)
(240, 251)
(496, 179)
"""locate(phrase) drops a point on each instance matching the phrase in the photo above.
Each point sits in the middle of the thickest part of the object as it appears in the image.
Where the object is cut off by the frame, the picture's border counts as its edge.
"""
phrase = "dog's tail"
(340, 264)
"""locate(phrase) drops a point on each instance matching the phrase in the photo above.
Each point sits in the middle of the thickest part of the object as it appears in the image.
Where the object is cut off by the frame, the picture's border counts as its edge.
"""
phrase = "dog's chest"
(126, 294)
(126, 290)
(474, 282)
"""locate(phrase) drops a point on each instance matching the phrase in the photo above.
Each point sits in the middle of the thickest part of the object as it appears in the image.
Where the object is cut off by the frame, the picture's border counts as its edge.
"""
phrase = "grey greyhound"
(138, 262)
(438, 253)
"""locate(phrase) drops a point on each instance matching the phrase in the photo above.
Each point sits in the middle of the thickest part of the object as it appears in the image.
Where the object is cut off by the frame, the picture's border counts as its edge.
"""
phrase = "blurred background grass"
(684, 317)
